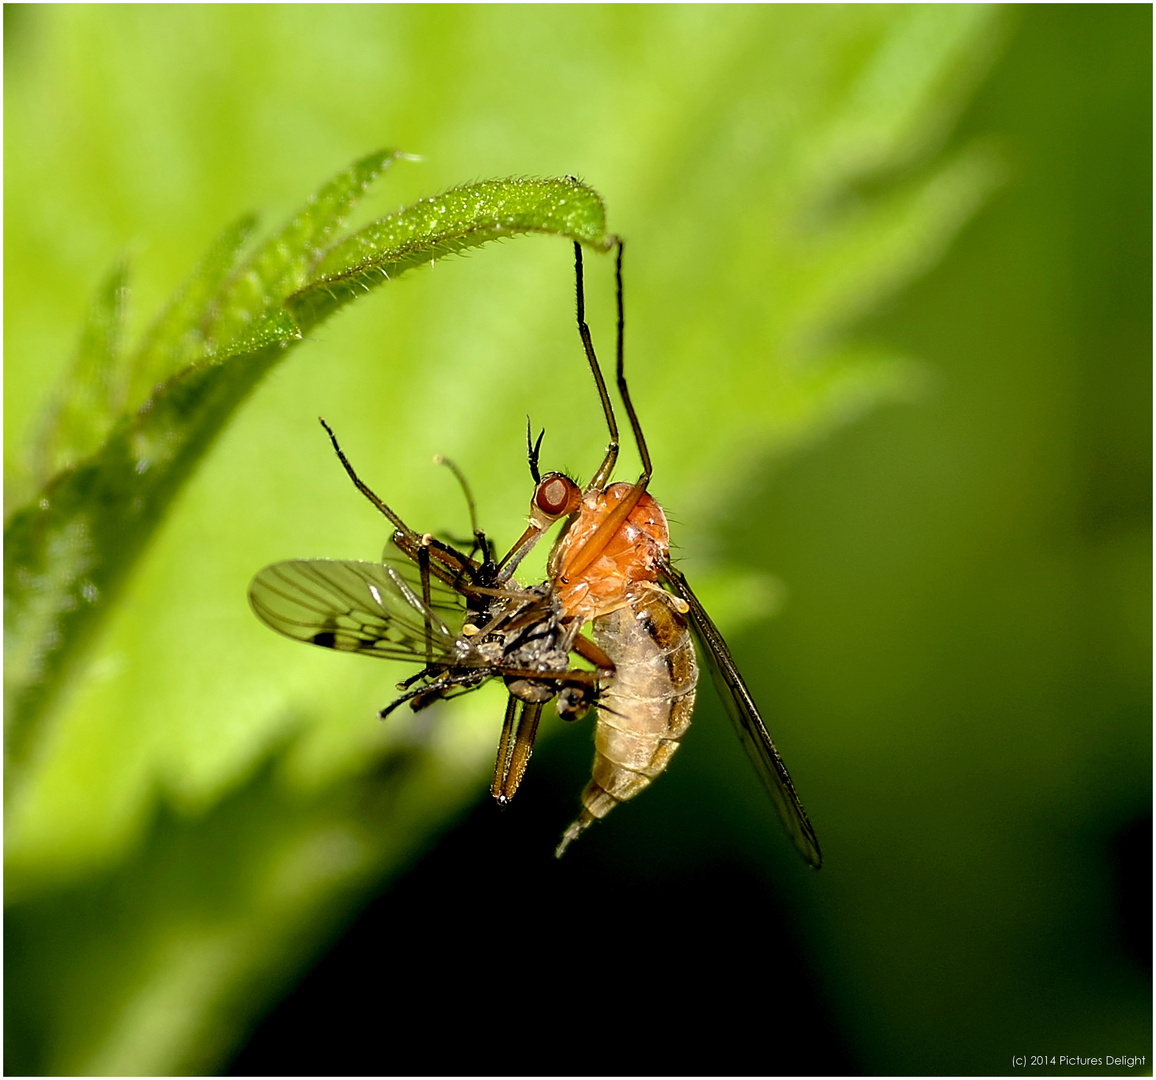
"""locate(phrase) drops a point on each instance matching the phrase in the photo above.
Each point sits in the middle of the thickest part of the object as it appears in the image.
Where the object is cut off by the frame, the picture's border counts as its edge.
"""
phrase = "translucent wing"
(748, 723)
(371, 608)
(448, 602)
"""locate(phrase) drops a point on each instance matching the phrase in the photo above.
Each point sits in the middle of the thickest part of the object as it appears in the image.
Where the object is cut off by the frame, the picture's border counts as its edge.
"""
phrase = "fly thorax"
(607, 551)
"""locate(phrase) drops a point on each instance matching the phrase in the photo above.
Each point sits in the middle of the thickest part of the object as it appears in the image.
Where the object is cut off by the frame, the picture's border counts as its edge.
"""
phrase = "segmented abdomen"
(646, 710)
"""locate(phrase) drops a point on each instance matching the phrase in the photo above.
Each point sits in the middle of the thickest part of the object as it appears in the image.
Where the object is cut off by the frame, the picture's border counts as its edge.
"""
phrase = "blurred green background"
(888, 284)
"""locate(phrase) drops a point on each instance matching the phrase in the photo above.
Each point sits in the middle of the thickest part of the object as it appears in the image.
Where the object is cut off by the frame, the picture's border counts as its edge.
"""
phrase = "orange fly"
(611, 567)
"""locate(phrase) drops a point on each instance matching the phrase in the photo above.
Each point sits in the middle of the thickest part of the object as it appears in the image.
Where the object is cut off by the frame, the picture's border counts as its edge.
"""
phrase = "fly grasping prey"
(465, 619)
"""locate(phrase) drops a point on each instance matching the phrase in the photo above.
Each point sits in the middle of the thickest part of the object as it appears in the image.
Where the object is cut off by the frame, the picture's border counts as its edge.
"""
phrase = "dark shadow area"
(1131, 854)
(491, 957)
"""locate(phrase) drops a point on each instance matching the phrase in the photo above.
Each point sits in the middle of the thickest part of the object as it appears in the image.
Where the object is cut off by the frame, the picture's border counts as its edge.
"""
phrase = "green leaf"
(173, 947)
(281, 264)
(449, 224)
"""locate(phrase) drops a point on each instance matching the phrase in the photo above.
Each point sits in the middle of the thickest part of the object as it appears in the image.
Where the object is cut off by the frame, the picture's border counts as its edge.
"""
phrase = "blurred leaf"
(92, 396)
(177, 337)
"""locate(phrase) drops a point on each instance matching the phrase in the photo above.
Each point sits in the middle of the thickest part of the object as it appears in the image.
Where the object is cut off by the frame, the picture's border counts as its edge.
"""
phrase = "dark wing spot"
(327, 639)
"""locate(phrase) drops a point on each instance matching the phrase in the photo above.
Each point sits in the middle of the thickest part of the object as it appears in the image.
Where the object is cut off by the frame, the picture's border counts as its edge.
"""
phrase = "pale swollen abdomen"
(646, 710)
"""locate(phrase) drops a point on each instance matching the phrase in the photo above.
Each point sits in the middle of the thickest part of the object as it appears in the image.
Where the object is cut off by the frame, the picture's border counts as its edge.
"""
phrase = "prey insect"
(611, 567)
(460, 614)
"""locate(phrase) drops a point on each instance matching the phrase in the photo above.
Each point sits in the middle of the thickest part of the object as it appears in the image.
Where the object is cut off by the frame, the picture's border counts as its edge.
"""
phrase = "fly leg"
(602, 476)
(586, 649)
(599, 479)
(423, 566)
(635, 426)
(427, 694)
(610, 527)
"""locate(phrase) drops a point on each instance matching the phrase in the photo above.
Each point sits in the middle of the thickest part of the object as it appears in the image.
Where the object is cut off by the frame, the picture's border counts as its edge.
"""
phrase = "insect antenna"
(534, 531)
(481, 541)
(533, 448)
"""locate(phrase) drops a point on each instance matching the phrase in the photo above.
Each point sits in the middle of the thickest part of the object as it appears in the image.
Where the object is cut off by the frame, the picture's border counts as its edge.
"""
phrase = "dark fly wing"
(352, 607)
(748, 723)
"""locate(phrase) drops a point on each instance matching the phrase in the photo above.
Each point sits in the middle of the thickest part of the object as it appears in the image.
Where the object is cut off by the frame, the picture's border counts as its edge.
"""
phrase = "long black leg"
(598, 481)
(602, 476)
(448, 564)
(621, 371)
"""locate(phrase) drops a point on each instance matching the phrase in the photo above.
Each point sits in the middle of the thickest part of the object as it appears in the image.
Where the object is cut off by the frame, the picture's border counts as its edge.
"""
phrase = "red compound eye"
(556, 495)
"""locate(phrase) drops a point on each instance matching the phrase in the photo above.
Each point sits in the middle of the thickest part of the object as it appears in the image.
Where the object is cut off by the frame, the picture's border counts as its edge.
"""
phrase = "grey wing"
(752, 732)
(360, 607)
